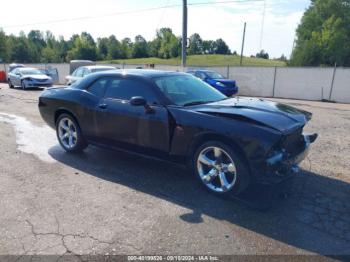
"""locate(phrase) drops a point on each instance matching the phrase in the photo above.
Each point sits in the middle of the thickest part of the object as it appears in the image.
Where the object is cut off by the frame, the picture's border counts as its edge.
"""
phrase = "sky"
(212, 21)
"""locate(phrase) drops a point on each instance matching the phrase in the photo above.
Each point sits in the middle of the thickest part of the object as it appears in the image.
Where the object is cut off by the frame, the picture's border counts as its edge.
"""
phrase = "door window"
(98, 88)
(125, 89)
(200, 75)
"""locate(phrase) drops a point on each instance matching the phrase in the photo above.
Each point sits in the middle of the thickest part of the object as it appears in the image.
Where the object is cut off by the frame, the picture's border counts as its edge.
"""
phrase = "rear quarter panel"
(55, 99)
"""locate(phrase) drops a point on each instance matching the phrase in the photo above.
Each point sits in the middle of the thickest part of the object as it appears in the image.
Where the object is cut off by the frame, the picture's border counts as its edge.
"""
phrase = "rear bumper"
(281, 166)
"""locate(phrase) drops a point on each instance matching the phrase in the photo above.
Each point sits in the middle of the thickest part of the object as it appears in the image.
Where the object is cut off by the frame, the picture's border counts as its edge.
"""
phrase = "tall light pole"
(245, 24)
(184, 33)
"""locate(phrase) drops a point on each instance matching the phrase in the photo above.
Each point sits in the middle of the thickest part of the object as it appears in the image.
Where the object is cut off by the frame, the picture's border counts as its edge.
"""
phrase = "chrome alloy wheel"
(216, 169)
(67, 133)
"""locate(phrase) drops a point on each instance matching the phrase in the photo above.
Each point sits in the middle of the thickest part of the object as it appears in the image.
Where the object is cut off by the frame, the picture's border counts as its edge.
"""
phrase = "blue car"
(226, 86)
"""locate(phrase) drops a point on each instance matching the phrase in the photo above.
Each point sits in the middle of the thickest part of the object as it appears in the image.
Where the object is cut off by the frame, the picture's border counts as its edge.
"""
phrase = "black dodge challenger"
(229, 143)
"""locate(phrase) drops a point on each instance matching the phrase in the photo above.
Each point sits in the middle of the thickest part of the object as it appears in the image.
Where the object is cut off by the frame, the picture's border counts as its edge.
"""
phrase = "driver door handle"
(102, 106)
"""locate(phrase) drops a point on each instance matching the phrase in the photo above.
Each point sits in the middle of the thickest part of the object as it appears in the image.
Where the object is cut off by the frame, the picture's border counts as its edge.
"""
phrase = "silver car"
(82, 71)
(26, 77)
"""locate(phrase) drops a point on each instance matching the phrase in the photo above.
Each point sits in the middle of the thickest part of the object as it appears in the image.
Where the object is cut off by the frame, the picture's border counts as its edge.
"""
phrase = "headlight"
(276, 158)
(220, 84)
(29, 79)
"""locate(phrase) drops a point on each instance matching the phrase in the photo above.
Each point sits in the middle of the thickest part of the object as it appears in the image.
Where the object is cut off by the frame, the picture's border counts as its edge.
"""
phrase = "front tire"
(69, 134)
(10, 83)
(23, 85)
(220, 169)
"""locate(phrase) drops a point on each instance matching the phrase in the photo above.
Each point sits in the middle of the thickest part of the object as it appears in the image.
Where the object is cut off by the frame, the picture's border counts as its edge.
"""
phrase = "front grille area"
(41, 80)
(294, 143)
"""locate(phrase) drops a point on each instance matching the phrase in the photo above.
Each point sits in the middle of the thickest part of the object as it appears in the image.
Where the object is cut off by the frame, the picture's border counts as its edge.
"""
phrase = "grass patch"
(203, 60)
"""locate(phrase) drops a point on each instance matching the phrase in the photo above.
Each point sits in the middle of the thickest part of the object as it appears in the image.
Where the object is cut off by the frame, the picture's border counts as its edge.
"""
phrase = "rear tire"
(220, 168)
(69, 134)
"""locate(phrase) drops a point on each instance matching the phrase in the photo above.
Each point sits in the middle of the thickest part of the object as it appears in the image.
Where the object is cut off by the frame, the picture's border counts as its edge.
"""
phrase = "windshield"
(30, 72)
(102, 69)
(184, 90)
(214, 75)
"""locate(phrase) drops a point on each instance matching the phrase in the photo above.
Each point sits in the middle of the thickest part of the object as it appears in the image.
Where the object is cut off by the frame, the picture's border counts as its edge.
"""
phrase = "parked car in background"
(83, 71)
(27, 77)
(229, 143)
(14, 66)
(51, 72)
(226, 86)
(74, 64)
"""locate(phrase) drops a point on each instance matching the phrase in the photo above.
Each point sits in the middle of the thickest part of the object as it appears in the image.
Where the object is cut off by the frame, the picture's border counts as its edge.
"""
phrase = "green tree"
(262, 54)
(50, 55)
(196, 45)
(170, 45)
(323, 36)
(3, 46)
(114, 48)
(102, 48)
(126, 48)
(84, 47)
(209, 46)
(283, 58)
(221, 47)
(140, 47)
(154, 46)
(19, 49)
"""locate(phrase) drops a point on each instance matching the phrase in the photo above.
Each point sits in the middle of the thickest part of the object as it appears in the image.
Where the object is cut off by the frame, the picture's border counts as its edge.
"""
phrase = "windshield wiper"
(198, 103)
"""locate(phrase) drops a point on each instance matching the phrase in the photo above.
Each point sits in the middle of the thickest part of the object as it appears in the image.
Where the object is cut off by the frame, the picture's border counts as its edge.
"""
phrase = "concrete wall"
(310, 83)
(341, 87)
(303, 83)
(254, 80)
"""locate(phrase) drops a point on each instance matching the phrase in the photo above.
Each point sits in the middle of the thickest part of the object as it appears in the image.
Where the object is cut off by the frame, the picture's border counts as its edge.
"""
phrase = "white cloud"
(210, 21)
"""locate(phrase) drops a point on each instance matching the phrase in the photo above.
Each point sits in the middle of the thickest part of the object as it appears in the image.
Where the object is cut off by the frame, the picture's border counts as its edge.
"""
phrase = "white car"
(82, 71)
(27, 77)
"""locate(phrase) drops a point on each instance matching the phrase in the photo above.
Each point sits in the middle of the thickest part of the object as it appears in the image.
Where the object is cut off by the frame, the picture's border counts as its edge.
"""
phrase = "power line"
(127, 12)
(262, 25)
(162, 15)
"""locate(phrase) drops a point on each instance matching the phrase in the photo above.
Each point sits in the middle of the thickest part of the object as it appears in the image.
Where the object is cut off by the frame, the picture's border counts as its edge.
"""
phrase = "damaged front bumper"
(282, 165)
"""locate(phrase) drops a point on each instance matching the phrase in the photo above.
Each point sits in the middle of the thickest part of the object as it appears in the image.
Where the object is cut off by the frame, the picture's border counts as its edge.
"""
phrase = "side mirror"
(138, 101)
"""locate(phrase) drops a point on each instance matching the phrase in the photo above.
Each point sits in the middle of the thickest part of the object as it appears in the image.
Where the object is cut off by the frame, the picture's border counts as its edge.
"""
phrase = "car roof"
(141, 73)
(27, 68)
(203, 70)
(98, 66)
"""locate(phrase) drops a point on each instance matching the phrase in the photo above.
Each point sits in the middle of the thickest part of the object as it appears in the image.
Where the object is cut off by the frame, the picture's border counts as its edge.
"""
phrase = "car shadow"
(30, 89)
(33, 89)
(314, 216)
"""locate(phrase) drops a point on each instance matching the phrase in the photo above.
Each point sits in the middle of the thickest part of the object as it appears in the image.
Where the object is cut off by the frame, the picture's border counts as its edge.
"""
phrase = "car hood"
(274, 115)
(41, 77)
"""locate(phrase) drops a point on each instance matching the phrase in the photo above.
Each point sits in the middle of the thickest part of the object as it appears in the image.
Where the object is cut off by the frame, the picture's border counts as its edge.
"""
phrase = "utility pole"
(245, 24)
(184, 33)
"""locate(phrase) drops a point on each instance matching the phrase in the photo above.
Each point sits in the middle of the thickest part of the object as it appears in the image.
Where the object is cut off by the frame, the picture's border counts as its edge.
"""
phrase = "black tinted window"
(99, 86)
(125, 89)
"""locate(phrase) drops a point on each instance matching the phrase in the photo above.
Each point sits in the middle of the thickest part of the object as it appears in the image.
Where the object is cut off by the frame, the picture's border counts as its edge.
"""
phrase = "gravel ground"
(104, 202)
